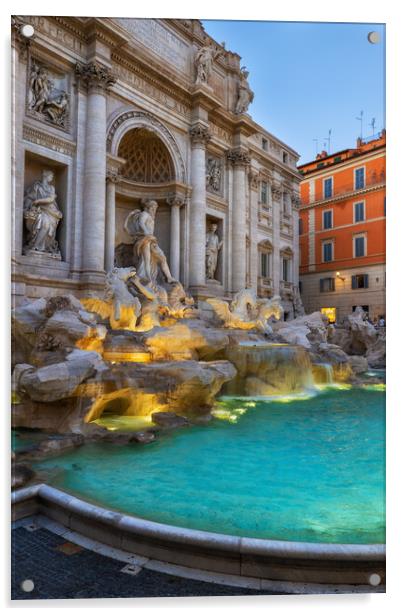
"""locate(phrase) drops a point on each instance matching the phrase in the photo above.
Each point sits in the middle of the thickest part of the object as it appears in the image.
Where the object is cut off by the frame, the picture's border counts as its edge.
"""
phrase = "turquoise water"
(306, 470)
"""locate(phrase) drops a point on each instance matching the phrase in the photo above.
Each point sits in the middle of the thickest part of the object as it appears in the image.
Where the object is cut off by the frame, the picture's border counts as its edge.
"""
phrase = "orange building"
(342, 230)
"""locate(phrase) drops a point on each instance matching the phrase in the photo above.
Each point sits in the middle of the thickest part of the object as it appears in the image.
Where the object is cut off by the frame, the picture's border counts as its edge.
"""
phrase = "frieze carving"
(49, 141)
(213, 174)
(239, 156)
(147, 120)
(47, 100)
(95, 76)
(199, 133)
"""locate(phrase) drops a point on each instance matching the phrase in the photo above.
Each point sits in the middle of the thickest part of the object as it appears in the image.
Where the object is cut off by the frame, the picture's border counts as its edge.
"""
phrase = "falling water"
(323, 374)
(269, 370)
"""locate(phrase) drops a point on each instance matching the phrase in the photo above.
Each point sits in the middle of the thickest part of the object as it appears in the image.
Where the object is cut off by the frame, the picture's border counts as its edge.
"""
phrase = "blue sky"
(309, 78)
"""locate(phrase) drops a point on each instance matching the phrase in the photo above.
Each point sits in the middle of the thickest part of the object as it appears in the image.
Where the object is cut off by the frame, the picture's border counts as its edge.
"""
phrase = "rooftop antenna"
(360, 119)
(372, 124)
(328, 139)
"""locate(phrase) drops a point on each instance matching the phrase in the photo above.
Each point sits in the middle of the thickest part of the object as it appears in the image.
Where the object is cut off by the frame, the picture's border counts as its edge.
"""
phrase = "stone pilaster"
(112, 178)
(240, 160)
(295, 199)
(276, 193)
(175, 203)
(199, 138)
(96, 79)
(253, 228)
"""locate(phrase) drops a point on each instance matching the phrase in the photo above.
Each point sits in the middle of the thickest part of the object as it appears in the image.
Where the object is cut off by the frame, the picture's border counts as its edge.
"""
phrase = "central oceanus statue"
(246, 311)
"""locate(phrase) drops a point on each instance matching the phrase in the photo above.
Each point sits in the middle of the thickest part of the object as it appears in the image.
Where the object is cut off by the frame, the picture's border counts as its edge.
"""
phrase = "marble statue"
(44, 98)
(213, 175)
(203, 63)
(298, 307)
(42, 215)
(149, 258)
(213, 246)
(245, 93)
(247, 312)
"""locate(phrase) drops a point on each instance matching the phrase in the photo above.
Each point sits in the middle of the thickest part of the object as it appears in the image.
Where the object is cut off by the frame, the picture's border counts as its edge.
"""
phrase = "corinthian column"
(276, 192)
(175, 203)
(199, 138)
(253, 233)
(97, 79)
(112, 178)
(240, 159)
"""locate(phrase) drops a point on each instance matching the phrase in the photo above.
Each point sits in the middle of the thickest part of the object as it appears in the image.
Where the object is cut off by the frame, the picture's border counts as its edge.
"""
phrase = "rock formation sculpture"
(247, 312)
(213, 246)
(42, 216)
(245, 94)
(149, 258)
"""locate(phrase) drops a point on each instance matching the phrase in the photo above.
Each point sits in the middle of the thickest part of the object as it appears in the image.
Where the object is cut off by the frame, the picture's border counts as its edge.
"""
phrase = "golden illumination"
(330, 313)
(139, 357)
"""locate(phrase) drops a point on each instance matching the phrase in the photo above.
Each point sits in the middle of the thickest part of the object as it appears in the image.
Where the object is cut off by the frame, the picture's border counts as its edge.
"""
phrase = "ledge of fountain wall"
(285, 561)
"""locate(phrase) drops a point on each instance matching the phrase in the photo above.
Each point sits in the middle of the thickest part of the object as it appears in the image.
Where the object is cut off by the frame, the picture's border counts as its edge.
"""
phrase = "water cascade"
(323, 374)
(265, 369)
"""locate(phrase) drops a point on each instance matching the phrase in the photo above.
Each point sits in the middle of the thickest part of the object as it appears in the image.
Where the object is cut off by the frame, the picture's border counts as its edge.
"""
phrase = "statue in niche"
(42, 215)
(203, 63)
(213, 246)
(245, 93)
(44, 98)
(149, 258)
(213, 175)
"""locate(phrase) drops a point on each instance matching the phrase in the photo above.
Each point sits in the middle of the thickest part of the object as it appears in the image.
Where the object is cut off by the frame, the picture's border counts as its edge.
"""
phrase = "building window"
(327, 284)
(285, 270)
(327, 188)
(285, 157)
(365, 308)
(264, 192)
(330, 313)
(264, 265)
(337, 159)
(359, 246)
(300, 226)
(264, 144)
(327, 219)
(359, 178)
(360, 281)
(359, 211)
(327, 251)
(286, 203)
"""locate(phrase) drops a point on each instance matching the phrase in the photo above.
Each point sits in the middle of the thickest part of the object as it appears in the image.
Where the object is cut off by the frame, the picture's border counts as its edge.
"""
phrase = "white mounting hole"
(27, 585)
(374, 579)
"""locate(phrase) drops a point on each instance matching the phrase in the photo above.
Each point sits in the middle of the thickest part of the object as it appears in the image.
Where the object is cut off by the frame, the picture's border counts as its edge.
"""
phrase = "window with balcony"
(265, 265)
(327, 251)
(327, 188)
(359, 211)
(359, 178)
(264, 193)
(359, 246)
(286, 270)
(327, 285)
(327, 219)
(360, 281)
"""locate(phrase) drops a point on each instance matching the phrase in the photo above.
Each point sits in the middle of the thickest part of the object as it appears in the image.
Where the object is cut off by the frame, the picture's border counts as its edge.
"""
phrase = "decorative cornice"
(238, 157)
(199, 134)
(46, 140)
(95, 76)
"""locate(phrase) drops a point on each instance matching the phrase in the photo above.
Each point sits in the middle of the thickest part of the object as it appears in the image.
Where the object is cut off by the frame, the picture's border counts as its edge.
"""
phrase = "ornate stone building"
(111, 112)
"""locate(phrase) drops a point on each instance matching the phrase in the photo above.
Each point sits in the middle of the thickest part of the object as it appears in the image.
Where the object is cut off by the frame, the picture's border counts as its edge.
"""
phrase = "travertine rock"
(340, 361)
(305, 330)
(169, 420)
(187, 339)
(359, 364)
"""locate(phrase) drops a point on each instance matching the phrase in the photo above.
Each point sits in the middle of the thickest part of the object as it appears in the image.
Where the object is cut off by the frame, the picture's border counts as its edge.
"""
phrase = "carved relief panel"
(214, 174)
(48, 96)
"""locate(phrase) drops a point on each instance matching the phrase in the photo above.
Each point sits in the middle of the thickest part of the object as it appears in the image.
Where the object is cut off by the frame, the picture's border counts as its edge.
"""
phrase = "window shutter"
(321, 285)
(354, 282)
(332, 284)
(366, 284)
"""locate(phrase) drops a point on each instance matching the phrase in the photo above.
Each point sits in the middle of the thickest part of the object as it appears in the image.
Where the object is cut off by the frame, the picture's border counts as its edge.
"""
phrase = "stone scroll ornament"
(45, 99)
(245, 94)
(42, 216)
(212, 248)
(203, 61)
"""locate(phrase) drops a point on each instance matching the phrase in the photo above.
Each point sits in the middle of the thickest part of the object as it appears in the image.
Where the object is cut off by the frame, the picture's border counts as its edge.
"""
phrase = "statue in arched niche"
(149, 258)
(42, 215)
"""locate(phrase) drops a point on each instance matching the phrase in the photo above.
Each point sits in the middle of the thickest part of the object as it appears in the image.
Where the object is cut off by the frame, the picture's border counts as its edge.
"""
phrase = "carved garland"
(147, 120)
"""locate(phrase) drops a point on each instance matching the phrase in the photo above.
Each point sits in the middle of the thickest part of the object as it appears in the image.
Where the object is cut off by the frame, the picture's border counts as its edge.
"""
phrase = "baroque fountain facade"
(155, 256)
